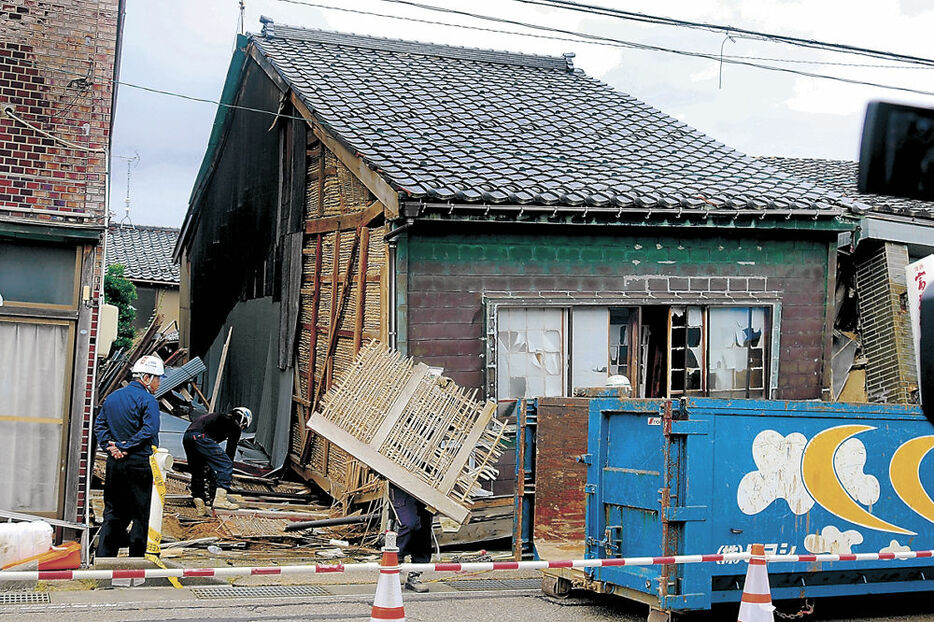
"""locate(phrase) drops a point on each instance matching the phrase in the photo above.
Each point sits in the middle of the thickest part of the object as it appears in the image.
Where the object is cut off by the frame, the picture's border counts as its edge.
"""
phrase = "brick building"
(503, 216)
(58, 71)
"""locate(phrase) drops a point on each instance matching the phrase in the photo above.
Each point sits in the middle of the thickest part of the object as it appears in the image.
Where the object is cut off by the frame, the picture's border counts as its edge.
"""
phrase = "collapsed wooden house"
(502, 216)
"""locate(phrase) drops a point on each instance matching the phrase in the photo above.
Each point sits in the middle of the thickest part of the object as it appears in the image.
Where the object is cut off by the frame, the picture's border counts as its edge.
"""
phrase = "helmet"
(243, 416)
(149, 364)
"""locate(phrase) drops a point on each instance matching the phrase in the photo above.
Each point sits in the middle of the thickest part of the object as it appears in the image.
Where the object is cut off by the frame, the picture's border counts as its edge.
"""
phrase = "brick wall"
(57, 61)
(447, 276)
(56, 72)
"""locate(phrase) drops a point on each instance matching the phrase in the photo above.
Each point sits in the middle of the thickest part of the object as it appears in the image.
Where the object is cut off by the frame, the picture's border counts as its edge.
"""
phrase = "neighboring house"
(894, 233)
(503, 216)
(146, 254)
(58, 71)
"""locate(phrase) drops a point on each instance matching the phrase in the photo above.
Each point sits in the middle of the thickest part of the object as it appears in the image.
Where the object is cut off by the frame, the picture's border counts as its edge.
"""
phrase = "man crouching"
(202, 448)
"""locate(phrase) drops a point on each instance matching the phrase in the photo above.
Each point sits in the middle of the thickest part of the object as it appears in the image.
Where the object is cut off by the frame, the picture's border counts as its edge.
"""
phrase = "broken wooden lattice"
(423, 433)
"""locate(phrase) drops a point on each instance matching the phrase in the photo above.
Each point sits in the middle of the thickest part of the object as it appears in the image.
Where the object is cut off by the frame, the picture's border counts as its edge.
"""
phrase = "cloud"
(848, 463)
(778, 459)
(832, 540)
(895, 547)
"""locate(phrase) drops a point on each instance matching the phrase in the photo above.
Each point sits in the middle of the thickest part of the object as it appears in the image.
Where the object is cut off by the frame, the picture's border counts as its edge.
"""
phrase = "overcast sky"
(184, 46)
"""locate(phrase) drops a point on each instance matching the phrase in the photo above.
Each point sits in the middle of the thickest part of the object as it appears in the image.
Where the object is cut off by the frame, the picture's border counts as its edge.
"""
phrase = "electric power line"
(668, 21)
(579, 40)
(655, 48)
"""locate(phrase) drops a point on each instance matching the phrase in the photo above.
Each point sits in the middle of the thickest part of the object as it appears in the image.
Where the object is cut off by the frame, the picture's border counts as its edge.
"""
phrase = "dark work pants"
(205, 455)
(413, 536)
(127, 493)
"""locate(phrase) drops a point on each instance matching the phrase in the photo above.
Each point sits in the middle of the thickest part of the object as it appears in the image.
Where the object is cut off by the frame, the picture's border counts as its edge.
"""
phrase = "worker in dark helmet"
(202, 448)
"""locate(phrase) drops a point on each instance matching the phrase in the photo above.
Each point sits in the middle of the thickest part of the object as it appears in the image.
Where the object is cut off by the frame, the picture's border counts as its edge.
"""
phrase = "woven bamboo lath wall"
(340, 257)
(424, 426)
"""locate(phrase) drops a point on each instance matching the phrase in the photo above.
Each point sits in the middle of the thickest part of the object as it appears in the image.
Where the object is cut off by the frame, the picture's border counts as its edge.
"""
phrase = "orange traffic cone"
(387, 605)
(756, 605)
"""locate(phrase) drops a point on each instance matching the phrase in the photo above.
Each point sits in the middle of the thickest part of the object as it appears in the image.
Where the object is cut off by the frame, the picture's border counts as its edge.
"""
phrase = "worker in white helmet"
(128, 428)
(205, 457)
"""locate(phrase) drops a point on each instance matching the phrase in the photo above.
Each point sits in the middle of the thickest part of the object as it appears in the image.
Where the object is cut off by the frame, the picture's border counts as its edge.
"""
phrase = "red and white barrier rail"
(373, 567)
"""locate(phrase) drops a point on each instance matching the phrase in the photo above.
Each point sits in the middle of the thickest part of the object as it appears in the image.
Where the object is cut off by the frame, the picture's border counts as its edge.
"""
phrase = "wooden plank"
(321, 175)
(398, 406)
(370, 178)
(384, 302)
(361, 290)
(470, 442)
(336, 312)
(344, 222)
(388, 469)
(328, 371)
(312, 346)
(220, 371)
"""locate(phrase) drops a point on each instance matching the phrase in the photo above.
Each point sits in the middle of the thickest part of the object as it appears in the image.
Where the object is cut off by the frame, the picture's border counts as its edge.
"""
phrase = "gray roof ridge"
(283, 31)
(120, 225)
(806, 159)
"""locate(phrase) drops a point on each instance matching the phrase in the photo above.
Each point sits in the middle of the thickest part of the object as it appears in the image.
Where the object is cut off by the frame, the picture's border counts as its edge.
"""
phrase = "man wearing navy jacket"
(128, 428)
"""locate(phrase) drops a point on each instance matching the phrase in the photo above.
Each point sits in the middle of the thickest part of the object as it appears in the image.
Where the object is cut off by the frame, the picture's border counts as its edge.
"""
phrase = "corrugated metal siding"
(884, 325)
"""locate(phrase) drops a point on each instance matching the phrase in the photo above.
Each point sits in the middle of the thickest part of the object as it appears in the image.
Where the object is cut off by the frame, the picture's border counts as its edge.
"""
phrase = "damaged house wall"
(239, 254)
(343, 277)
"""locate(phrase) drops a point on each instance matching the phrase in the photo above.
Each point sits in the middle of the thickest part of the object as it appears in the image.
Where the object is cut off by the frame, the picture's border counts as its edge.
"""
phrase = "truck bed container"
(712, 475)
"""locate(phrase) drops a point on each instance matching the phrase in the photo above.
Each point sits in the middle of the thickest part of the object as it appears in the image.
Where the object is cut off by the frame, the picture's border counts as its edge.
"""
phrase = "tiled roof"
(842, 175)
(145, 251)
(456, 125)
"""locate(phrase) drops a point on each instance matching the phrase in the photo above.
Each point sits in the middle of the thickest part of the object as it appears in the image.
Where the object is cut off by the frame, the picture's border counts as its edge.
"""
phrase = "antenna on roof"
(131, 163)
(242, 9)
(569, 61)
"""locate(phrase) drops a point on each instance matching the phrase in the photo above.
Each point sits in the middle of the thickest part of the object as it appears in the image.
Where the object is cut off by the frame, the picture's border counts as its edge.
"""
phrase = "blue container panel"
(799, 477)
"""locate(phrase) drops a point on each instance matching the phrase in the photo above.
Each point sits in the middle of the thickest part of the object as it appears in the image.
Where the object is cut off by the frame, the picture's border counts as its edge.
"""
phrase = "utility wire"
(668, 21)
(645, 46)
(577, 39)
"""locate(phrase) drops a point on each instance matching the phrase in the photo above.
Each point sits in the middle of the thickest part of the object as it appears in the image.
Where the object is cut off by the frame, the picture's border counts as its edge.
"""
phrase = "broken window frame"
(768, 301)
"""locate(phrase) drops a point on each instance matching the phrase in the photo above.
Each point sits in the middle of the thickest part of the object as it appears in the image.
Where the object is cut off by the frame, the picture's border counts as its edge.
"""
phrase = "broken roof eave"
(218, 134)
(346, 153)
(792, 219)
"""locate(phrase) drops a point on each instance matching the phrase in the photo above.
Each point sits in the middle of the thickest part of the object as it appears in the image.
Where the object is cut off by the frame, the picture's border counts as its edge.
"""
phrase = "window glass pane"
(621, 320)
(736, 351)
(530, 358)
(33, 363)
(37, 274)
(686, 346)
(589, 348)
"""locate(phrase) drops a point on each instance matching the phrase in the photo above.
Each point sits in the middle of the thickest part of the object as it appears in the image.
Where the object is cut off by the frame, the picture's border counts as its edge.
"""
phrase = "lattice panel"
(425, 434)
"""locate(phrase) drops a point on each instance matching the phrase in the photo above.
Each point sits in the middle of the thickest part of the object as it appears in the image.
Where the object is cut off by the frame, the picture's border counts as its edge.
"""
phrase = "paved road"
(166, 605)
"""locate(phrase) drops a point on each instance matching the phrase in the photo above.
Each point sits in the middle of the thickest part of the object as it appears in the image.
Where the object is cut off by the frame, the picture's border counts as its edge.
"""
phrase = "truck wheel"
(556, 587)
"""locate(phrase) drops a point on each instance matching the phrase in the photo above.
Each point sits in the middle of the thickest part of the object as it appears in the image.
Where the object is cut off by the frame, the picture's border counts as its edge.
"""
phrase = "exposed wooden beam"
(361, 289)
(367, 176)
(344, 222)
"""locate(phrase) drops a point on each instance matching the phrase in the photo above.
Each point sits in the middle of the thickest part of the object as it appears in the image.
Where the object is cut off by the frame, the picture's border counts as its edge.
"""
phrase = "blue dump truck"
(696, 476)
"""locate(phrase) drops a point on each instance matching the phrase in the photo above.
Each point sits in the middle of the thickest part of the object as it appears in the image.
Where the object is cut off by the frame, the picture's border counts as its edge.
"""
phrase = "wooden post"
(361, 289)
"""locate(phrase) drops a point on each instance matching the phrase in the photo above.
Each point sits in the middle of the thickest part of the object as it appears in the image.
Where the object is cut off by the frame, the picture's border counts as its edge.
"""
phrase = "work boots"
(199, 505)
(413, 582)
(221, 502)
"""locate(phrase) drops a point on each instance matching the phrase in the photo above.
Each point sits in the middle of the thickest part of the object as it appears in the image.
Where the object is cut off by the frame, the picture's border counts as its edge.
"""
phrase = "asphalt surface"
(156, 604)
